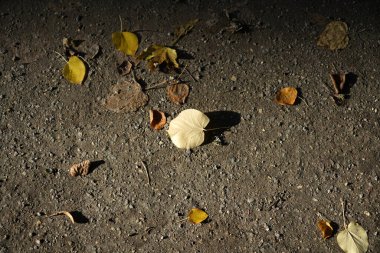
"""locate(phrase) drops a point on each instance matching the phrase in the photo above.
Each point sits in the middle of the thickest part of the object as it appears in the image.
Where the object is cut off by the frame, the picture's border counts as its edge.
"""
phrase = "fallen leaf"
(353, 239)
(335, 36)
(68, 215)
(74, 70)
(197, 215)
(125, 97)
(80, 169)
(325, 228)
(178, 92)
(184, 29)
(126, 42)
(338, 82)
(286, 96)
(187, 129)
(157, 119)
(160, 56)
(124, 68)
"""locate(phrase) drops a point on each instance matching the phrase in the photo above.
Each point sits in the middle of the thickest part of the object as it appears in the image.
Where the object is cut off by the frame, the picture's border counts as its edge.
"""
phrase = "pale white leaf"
(187, 129)
(353, 239)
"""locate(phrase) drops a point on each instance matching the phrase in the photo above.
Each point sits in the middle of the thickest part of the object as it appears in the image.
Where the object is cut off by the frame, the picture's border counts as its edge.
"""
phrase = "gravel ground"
(280, 165)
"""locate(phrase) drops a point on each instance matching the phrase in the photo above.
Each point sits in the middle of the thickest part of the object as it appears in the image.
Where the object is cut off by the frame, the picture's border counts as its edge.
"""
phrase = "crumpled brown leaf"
(157, 119)
(158, 56)
(125, 96)
(80, 169)
(178, 92)
(335, 36)
(326, 229)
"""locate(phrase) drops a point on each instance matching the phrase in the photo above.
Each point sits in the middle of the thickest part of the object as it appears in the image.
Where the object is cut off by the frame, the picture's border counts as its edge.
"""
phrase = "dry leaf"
(335, 36)
(125, 97)
(178, 92)
(353, 239)
(80, 169)
(125, 42)
(124, 68)
(74, 70)
(157, 119)
(338, 81)
(286, 96)
(160, 56)
(197, 215)
(187, 129)
(184, 29)
(325, 228)
(68, 215)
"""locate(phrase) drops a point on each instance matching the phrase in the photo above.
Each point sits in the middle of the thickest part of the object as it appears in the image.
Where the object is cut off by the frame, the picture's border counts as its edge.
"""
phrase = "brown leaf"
(124, 68)
(80, 169)
(286, 96)
(335, 36)
(178, 92)
(125, 97)
(325, 228)
(157, 119)
(338, 82)
(68, 215)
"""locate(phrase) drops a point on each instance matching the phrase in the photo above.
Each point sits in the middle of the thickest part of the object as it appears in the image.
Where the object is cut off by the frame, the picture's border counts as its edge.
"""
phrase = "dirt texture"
(277, 166)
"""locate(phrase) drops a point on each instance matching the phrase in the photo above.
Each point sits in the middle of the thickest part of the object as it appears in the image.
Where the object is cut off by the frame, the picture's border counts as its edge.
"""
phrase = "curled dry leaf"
(178, 92)
(160, 56)
(125, 97)
(80, 169)
(353, 239)
(157, 119)
(335, 36)
(187, 129)
(126, 42)
(326, 229)
(124, 68)
(286, 96)
(197, 215)
(74, 70)
(66, 213)
(338, 82)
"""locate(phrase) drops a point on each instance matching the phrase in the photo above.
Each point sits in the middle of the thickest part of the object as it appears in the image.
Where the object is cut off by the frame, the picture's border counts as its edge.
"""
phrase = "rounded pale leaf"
(353, 239)
(74, 70)
(187, 129)
(125, 42)
(286, 96)
(197, 215)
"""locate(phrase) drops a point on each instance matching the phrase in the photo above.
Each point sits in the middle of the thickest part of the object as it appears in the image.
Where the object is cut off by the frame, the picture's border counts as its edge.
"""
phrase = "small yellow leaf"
(197, 215)
(74, 70)
(286, 96)
(160, 56)
(326, 229)
(125, 42)
(68, 215)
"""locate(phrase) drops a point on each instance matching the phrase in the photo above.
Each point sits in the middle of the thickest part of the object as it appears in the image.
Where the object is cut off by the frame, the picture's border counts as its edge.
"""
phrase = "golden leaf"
(80, 169)
(157, 119)
(66, 213)
(74, 70)
(335, 36)
(325, 228)
(160, 56)
(286, 96)
(197, 215)
(125, 42)
(178, 93)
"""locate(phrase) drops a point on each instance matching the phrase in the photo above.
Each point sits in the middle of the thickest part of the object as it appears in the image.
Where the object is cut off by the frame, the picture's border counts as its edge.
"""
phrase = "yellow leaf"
(326, 229)
(286, 96)
(197, 215)
(160, 56)
(125, 42)
(353, 239)
(75, 70)
(66, 213)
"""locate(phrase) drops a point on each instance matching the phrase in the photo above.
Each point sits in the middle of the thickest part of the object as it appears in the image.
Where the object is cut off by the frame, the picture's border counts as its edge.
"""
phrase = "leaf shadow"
(220, 121)
(94, 165)
(79, 217)
(351, 80)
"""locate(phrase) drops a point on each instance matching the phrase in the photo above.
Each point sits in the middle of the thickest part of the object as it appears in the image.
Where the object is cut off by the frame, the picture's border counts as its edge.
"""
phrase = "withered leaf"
(335, 36)
(125, 96)
(184, 29)
(286, 96)
(124, 68)
(157, 56)
(80, 169)
(326, 229)
(66, 213)
(157, 119)
(178, 92)
(338, 82)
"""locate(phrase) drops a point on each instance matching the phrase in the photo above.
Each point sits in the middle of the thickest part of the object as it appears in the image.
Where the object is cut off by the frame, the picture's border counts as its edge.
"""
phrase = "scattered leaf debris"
(66, 213)
(80, 169)
(187, 129)
(182, 30)
(74, 70)
(178, 92)
(339, 89)
(197, 215)
(124, 68)
(157, 56)
(125, 96)
(286, 96)
(157, 119)
(326, 229)
(334, 36)
(126, 42)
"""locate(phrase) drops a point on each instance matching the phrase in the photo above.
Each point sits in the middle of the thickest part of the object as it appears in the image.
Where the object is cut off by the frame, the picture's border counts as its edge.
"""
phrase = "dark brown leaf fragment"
(178, 92)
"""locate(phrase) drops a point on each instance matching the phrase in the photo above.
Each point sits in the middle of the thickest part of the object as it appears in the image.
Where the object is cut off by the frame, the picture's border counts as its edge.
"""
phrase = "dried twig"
(343, 213)
(146, 172)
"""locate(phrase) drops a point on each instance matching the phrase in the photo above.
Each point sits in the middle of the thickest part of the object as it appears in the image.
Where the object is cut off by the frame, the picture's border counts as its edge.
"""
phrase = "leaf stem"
(343, 213)
(212, 129)
(61, 56)
(121, 24)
